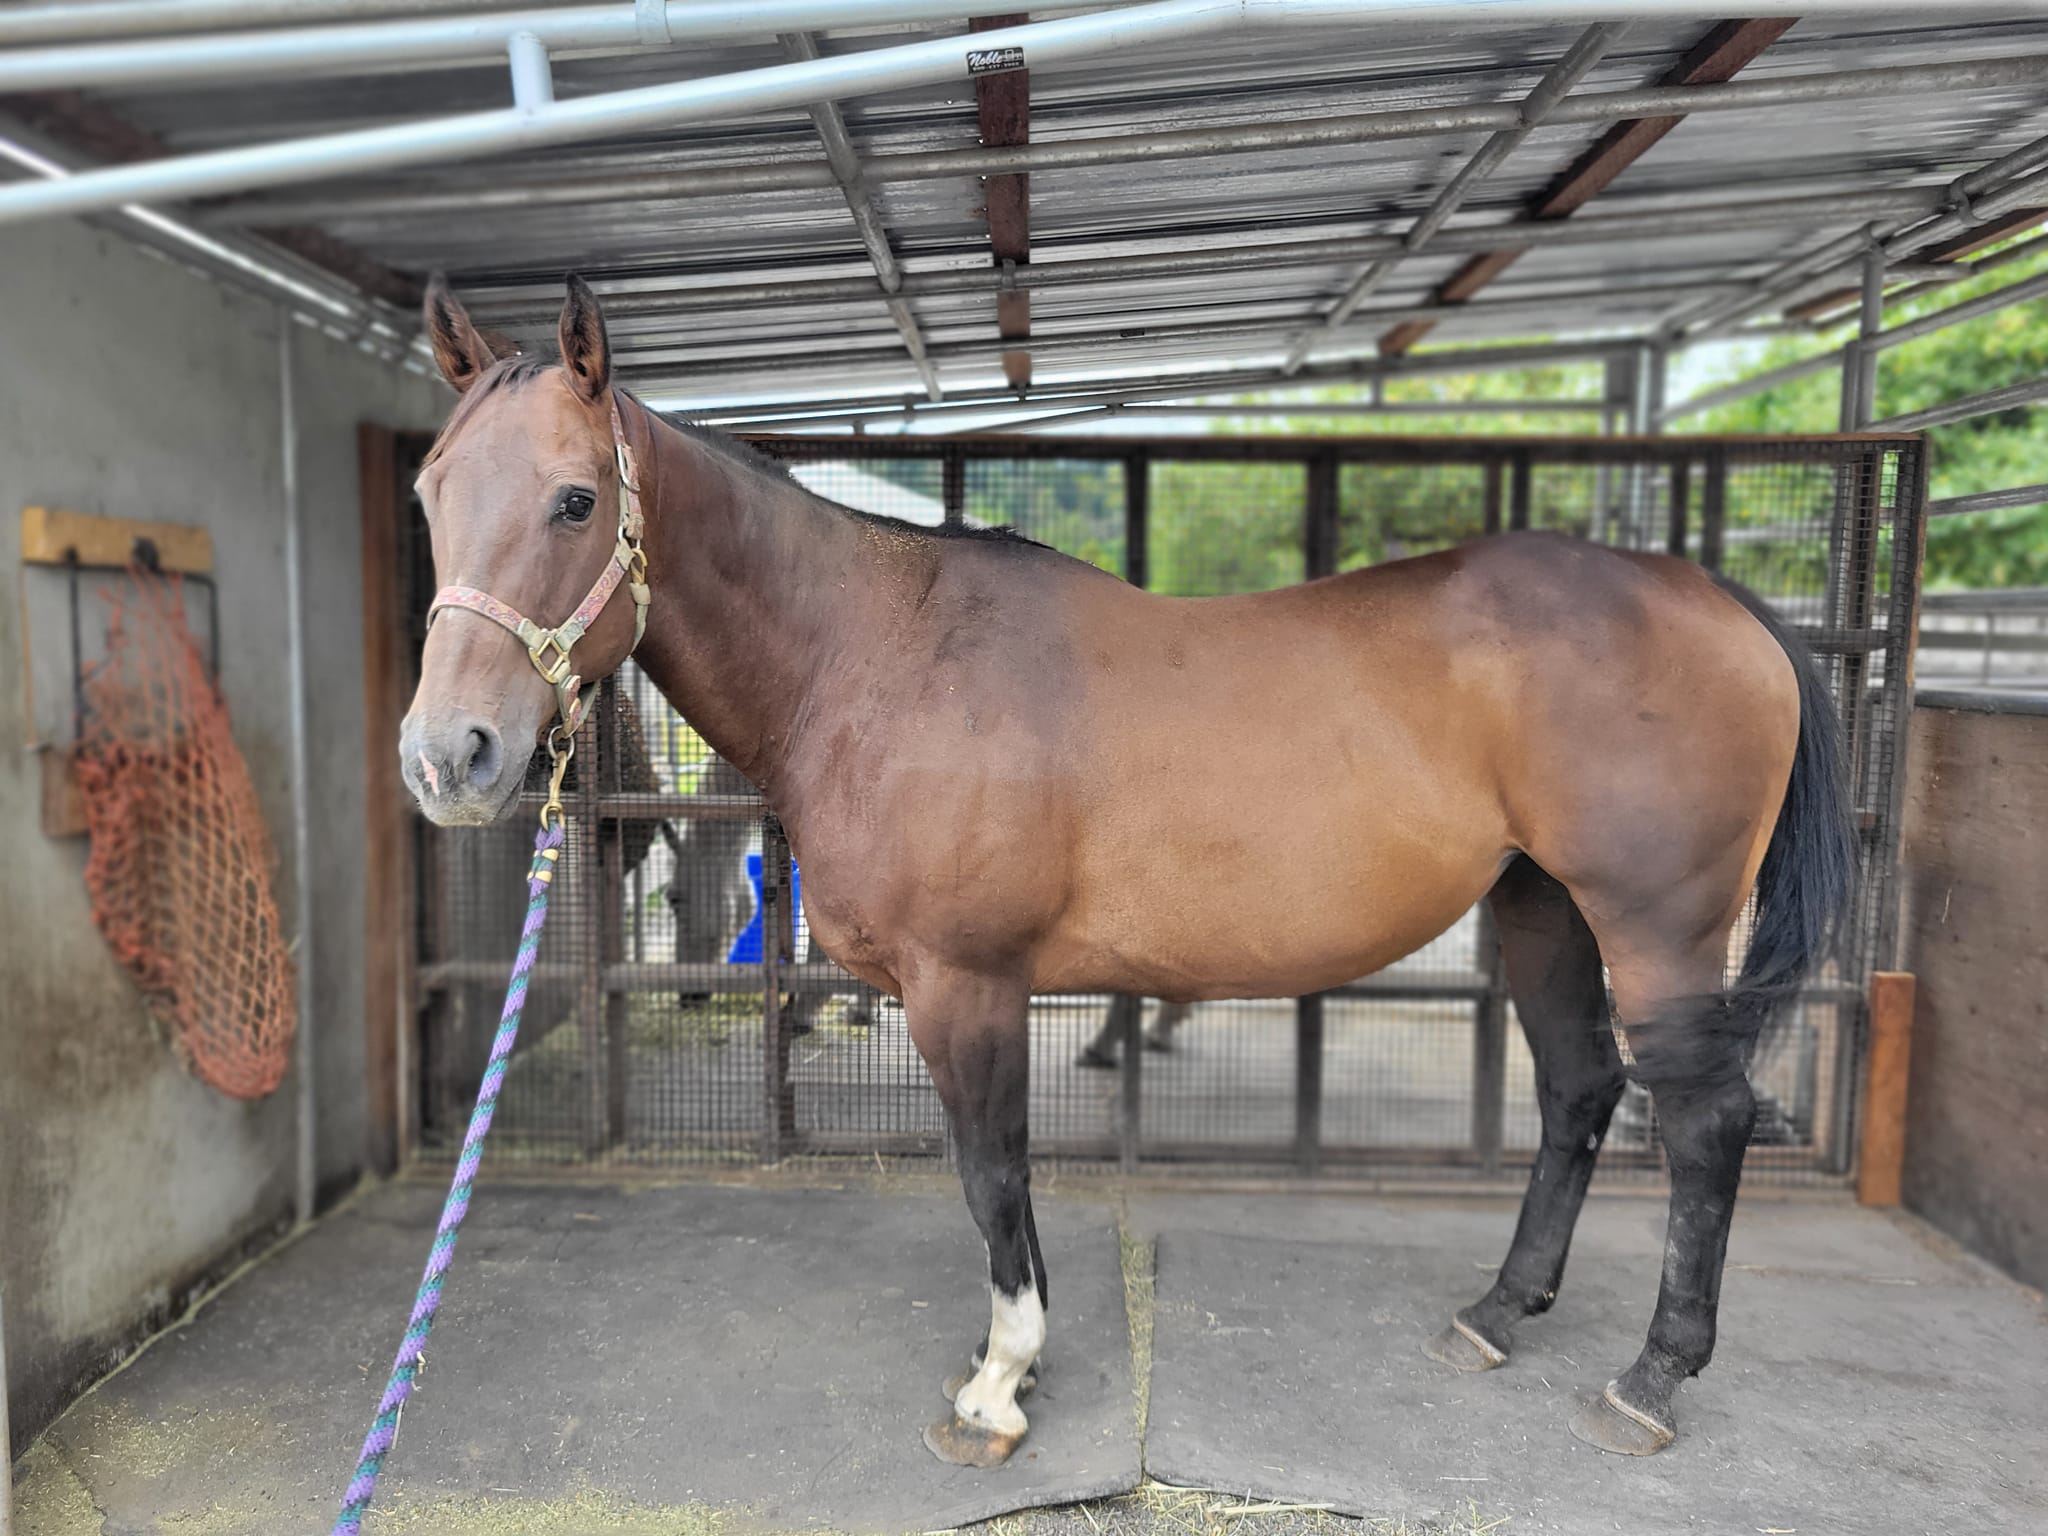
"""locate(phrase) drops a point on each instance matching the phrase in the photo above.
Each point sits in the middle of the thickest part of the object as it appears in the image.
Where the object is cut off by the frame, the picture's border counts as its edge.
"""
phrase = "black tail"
(1808, 876)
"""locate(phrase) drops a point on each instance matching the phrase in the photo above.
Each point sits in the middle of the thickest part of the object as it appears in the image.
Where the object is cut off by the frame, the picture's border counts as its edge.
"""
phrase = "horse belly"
(1267, 895)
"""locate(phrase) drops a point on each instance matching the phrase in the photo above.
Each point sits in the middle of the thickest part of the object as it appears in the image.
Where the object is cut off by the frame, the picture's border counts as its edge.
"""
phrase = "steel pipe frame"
(2022, 292)
(1989, 501)
(1973, 199)
(1362, 128)
(70, 22)
(845, 164)
(656, 352)
(1588, 50)
(1239, 412)
(503, 304)
(337, 50)
(340, 310)
(861, 411)
(1988, 403)
(1047, 44)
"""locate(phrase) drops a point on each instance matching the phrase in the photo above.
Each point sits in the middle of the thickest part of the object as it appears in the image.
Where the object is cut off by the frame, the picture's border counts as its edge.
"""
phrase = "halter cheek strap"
(549, 648)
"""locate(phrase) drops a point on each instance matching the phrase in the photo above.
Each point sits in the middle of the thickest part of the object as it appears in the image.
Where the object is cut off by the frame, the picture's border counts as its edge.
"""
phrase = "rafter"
(1002, 102)
(1717, 57)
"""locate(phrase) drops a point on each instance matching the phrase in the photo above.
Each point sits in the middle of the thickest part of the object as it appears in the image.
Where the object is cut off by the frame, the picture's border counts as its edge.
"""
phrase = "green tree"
(1986, 549)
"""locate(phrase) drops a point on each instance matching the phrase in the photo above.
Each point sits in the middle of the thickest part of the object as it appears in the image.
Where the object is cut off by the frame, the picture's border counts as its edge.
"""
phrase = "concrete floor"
(1915, 1405)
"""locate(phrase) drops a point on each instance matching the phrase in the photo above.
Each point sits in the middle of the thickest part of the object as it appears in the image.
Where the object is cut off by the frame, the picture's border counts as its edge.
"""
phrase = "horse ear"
(460, 350)
(586, 350)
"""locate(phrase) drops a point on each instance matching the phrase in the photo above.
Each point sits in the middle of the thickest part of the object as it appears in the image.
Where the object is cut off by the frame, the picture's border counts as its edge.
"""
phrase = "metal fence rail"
(679, 1013)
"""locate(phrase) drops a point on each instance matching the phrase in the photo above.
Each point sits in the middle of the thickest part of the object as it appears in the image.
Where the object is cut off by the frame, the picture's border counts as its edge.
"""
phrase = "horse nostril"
(486, 757)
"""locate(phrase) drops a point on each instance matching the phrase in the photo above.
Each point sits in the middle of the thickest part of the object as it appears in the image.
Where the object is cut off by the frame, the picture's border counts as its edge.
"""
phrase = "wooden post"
(1714, 509)
(1519, 489)
(953, 487)
(1132, 1012)
(1881, 1166)
(1491, 505)
(1308, 1083)
(1681, 496)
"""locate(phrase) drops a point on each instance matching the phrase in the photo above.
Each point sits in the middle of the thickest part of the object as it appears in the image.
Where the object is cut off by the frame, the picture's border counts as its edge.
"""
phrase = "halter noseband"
(628, 564)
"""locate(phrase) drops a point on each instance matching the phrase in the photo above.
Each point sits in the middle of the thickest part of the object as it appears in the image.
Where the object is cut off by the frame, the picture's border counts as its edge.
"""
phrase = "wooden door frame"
(390, 974)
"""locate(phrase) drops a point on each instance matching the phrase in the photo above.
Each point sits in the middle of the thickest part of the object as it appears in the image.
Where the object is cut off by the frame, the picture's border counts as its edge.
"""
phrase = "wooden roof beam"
(1002, 99)
(1717, 57)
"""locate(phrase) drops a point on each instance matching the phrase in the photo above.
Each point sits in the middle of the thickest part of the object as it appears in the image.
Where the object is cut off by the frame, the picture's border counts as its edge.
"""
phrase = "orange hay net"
(181, 859)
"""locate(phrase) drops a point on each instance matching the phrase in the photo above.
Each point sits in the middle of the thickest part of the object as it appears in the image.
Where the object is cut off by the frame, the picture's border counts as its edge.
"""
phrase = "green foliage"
(1986, 549)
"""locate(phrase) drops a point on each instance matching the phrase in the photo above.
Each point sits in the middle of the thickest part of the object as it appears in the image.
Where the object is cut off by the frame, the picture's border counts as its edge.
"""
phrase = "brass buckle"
(559, 755)
(551, 674)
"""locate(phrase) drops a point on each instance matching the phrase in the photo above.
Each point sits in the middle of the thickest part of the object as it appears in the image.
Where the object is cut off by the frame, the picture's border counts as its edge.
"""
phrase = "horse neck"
(754, 592)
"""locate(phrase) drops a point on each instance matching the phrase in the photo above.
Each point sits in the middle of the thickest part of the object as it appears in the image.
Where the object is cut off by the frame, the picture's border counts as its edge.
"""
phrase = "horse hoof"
(961, 1444)
(955, 1383)
(1158, 1046)
(1464, 1348)
(1091, 1057)
(1609, 1424)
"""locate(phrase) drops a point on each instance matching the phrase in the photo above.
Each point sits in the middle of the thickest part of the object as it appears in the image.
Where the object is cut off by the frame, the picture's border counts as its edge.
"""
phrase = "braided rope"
(411, 1351)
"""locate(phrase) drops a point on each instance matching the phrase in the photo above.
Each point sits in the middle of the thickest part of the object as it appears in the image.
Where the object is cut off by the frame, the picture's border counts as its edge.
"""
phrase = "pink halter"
(628, 564)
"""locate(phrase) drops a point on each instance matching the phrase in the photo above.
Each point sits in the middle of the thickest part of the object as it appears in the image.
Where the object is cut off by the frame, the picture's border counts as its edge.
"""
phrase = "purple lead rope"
(384, 1429)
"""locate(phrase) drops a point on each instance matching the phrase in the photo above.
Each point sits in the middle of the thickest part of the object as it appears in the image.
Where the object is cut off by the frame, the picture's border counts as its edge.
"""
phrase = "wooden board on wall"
(51, 535)
(1974, 863)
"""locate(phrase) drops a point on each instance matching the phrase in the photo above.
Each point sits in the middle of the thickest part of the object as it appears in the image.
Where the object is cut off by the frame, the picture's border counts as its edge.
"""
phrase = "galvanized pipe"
(646, 353)
(1127, 149)
(845, 164)
(1989, 403)
(346, 49)
(877, 409)
(2021, 292)
(1591, 46)
(1974, 199)
(1859, 358)
(1756, 384)
(70, 22)
(298, 686)
(657, 106)
(1046, 44)
(533, 79)
(1989, 501)
(503, 304)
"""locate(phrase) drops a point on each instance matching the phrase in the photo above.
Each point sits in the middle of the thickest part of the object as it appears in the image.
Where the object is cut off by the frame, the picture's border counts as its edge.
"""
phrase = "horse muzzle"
(457, 767)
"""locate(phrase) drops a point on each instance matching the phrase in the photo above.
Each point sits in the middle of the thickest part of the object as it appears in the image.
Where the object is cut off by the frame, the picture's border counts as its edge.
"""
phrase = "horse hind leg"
(1690, 1046)
(972, 1035)
(1554, 976)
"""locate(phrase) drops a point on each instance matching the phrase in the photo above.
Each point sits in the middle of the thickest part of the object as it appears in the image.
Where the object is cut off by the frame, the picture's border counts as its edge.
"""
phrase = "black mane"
(754, 457)
(511, 372)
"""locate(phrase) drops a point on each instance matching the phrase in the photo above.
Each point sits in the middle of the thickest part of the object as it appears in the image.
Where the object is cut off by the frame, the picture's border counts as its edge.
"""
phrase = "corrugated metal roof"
(843, 346)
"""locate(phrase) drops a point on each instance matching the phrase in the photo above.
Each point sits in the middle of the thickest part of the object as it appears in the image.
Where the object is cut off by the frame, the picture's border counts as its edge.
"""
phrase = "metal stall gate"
(679, 1014)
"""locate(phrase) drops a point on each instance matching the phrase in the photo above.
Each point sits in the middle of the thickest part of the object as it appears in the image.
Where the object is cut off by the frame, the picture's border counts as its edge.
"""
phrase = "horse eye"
(575, 506)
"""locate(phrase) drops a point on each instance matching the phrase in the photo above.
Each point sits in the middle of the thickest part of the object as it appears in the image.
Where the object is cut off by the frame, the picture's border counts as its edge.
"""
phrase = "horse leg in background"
(1553, 974)
(1102, 1051)
(1690, 1045)
(971, 1031)
(1169, 1018)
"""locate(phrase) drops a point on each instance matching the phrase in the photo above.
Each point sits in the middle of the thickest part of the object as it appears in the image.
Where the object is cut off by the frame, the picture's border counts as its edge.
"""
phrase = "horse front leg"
(972, 1032)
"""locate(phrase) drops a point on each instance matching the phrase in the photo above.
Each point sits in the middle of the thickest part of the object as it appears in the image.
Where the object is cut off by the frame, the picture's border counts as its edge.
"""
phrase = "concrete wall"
(1975, 858)
(130, 386)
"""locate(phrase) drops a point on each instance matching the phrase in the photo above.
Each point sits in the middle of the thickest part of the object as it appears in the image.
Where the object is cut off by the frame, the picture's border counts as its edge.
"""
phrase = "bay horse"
(991, 763)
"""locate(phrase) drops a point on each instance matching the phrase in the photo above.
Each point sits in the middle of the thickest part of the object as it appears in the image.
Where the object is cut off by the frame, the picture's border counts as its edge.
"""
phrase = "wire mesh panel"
(679, 1011)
